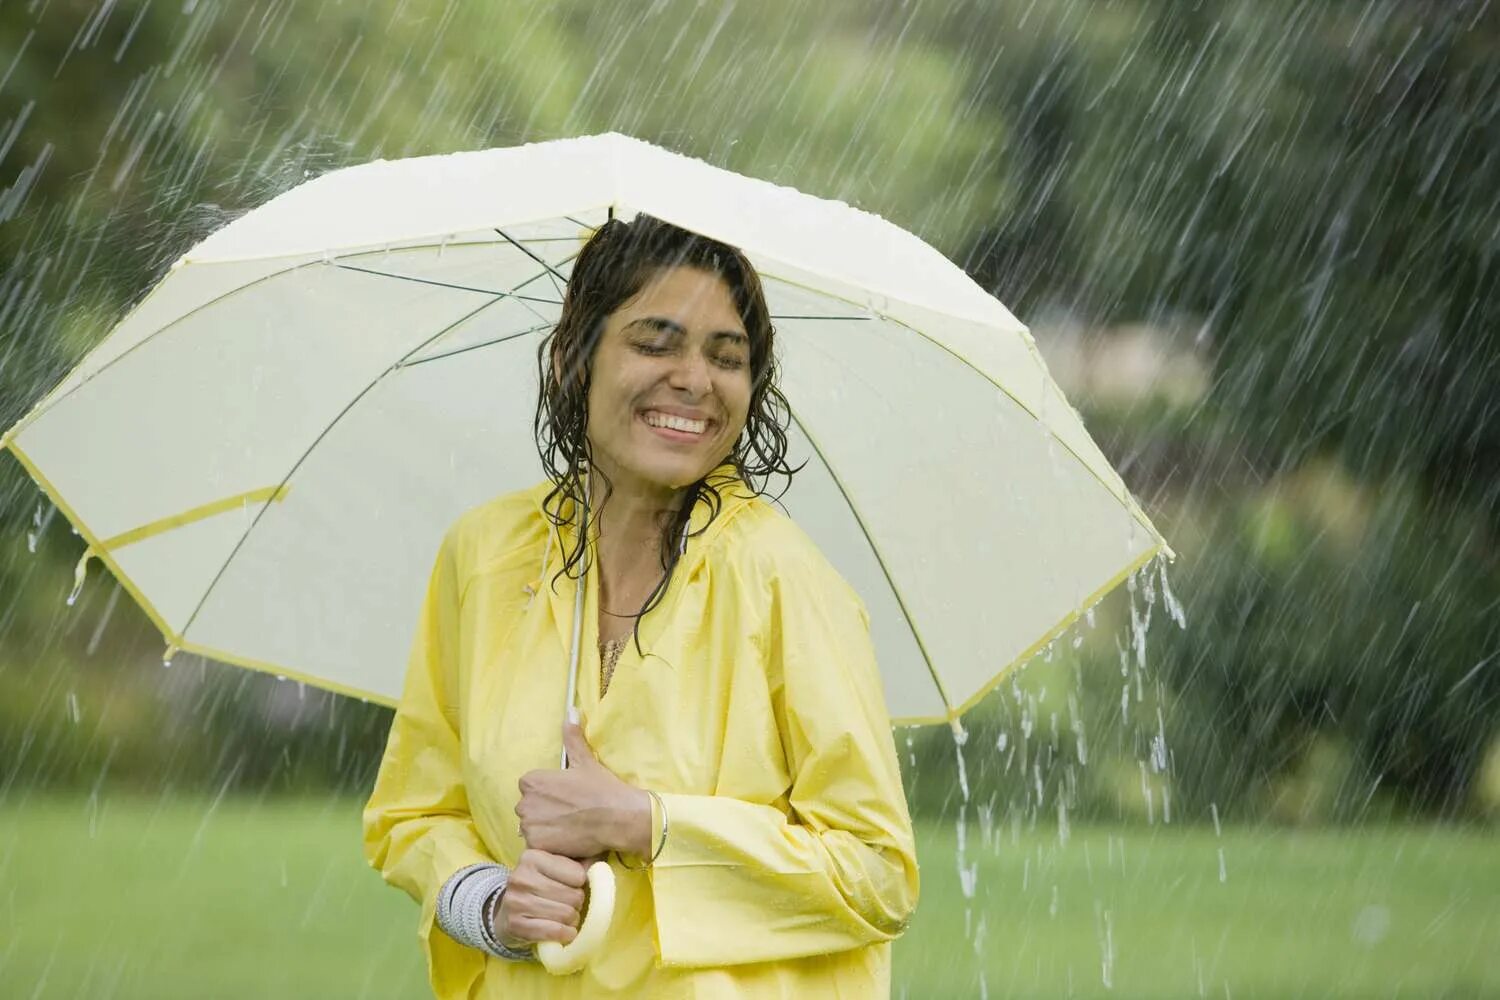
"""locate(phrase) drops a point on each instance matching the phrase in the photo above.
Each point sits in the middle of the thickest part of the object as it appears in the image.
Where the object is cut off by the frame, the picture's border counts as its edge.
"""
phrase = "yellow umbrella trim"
(175, 642)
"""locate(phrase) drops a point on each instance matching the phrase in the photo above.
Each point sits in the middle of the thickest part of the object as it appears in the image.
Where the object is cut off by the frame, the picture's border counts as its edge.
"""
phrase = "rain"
(1257, 244)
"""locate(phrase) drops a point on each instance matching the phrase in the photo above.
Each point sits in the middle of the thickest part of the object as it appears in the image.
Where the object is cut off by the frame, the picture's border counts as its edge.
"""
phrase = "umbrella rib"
(556, 275)
(417, 280)
(474, 347)
(449, 284)
(1128, 500)
(875, 550)
(208, 591)
(41, 410)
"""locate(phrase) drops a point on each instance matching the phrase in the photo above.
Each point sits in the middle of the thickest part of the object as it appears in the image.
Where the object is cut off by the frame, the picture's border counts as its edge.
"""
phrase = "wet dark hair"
(612, 268)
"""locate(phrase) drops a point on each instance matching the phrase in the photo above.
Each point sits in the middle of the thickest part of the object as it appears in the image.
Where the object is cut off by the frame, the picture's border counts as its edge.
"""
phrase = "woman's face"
(671, 382)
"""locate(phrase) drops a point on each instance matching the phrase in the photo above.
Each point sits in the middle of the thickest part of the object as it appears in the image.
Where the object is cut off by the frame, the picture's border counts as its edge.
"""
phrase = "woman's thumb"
(577, 745)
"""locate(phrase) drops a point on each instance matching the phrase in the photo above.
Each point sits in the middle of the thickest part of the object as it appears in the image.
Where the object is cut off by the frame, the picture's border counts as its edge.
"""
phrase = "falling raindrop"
(80, 574)
(1174, 609)
(39, 522)
(1159, 744)
(109, 610)
(1106, 934)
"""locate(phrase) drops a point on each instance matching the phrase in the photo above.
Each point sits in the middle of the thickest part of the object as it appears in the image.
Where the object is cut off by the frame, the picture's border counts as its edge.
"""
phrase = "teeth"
(656, 419)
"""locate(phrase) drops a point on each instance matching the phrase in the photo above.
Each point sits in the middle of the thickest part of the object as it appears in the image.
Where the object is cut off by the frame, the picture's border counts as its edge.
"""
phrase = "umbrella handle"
(558, 958)
(563, 959)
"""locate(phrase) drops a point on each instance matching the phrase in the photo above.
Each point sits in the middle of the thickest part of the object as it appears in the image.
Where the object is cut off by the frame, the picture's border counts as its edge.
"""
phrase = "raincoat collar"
(734, 496)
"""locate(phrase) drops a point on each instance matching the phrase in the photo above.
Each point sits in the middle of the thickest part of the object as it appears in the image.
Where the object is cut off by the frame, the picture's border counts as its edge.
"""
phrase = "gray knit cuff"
(463, 909)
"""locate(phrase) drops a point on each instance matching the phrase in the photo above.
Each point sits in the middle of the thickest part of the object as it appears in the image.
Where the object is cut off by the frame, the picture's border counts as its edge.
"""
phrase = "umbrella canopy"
(268, 448)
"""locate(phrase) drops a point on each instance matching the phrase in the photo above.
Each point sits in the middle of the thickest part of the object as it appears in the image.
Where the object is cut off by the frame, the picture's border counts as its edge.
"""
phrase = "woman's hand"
(542, 901)
(585, 810)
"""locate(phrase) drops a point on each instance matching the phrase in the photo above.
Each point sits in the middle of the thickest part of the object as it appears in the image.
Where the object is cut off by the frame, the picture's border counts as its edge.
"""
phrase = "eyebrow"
(673, 327)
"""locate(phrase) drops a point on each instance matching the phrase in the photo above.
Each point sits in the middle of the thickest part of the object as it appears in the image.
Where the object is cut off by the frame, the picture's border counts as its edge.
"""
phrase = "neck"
(629, 526)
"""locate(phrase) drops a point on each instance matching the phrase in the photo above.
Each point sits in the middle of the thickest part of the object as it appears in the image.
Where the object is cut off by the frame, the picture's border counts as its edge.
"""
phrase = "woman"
(734, 761)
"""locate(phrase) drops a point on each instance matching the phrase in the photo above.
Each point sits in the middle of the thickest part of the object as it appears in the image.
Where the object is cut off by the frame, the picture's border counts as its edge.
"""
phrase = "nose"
(692, 375)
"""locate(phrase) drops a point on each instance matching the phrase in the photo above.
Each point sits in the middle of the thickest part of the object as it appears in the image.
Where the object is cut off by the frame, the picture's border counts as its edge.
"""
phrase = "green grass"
(131, 898)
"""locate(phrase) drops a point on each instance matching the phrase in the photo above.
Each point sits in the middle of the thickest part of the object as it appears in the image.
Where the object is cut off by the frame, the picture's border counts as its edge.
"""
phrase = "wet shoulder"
(496, 533)
(772, 550)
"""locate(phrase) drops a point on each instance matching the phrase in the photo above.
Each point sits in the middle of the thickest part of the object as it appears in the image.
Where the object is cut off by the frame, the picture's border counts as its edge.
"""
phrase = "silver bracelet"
(463, 908)
(493, 944)
(445, 916)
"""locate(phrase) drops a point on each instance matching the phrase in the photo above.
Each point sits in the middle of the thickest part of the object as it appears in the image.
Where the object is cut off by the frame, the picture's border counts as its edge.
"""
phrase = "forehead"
(692, 296)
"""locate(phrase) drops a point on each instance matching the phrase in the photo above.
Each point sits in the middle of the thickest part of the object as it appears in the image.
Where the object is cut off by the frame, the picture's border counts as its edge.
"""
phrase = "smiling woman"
(660, 369)
(740, 777)
(669, 373)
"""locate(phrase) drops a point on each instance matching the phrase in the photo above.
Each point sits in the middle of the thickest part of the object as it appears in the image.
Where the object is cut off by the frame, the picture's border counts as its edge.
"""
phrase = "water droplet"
(1371, 925)
(1174, 608)
(80, 574)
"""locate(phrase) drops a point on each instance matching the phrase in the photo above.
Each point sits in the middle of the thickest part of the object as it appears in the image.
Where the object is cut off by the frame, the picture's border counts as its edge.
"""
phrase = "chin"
(672, 475)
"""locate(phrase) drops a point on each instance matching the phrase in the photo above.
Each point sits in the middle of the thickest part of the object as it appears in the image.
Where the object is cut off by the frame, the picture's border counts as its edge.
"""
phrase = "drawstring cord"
(535, 585)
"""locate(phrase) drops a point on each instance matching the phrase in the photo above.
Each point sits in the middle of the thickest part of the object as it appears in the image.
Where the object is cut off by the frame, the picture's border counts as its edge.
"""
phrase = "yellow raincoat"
(757, 713)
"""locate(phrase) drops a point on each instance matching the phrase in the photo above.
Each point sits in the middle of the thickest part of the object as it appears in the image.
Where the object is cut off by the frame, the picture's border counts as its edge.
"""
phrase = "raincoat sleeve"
(417, 826)
(739, 881)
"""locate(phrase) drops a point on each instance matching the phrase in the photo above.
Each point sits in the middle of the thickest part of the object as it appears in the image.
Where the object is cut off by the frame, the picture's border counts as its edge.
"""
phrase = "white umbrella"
(268, 448)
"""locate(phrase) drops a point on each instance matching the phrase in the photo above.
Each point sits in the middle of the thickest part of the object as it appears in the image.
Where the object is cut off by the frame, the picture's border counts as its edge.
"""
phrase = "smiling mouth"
(675, 425)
